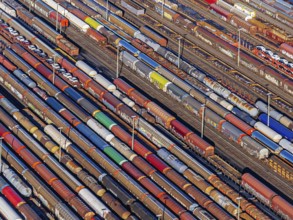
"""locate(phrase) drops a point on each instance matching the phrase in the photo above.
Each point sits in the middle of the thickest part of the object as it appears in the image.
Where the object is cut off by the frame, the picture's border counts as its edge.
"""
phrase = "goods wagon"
(46, 11)
(286, 145)
(149, 32)
(277, 126)
(72, 18)
(41, 27)
(246, 60)
(240, 23)
(94, 34)
(101, 5)
(124, 25)
(284, 120)
(133, 7)
(9, 10)
(280, 63)
(15, 199)
(7, 211)
(274, 35)
(245, 9)
(270, 133)
(283, 8)
(211, 118)
(287, 50)
(112, 153)
(225, 15)
(267, 196)
(168, 3)
(211, 1)
(103, 177)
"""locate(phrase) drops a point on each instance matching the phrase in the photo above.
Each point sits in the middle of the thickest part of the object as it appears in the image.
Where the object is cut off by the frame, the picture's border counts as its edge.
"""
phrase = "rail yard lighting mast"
(163, 3)
(54, 70)
(179, 51)
(60, 150)
(269, 103)
(57, 17)
(239, 43)
(133, 127)
(202, 120)
(107, 9)
(238, 207)
(117, 70)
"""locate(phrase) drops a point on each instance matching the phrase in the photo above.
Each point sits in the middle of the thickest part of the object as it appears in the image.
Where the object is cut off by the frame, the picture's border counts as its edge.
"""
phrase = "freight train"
(123, 44)
(267, 196)
(287, 50)
(227, 49)
(42, 28)
(264, 72)
(268, 8)
(140, 99)
(224, 126)
(234, 20)
(43, 9)
(273, 59)
(238, 18)
(57, 83)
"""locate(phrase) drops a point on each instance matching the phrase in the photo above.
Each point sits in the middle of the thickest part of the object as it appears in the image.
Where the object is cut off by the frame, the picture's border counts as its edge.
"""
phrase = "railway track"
(223, 147)
(94, 52)
(269, 19)
(232, 29)
(231, 63)
(194, 56)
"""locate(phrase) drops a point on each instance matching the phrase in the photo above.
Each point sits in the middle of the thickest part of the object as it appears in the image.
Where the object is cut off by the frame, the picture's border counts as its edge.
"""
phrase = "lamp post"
(239, 43)
(269, 102)
(179, 51)
(60, 151)
(163, 3)
(117, 70)
(202, 120)
(238, 207)
(133, 127)
(1, 154)
(107, 10)
(159, 216)
(54, 70)
(57, 17)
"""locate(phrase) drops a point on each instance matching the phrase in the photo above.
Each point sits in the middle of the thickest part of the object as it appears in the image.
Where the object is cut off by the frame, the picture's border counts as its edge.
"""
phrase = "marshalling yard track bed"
(225, 149)
(205, 64)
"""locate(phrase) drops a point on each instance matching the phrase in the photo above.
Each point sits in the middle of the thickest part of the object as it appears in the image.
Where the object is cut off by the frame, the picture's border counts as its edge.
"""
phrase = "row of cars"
(38, 51)
(274, 59)
(130, 48)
